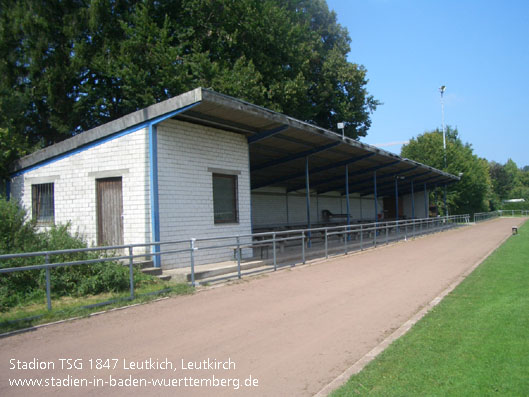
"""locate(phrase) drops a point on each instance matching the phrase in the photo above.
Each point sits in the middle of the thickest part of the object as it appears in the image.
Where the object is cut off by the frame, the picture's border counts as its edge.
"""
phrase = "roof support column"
(347, 194)
(435, 199)
(250, 186)
(376, 198)
(397, 198)
(307, 189)
(446, 208)
(412, 201)
(426, 212)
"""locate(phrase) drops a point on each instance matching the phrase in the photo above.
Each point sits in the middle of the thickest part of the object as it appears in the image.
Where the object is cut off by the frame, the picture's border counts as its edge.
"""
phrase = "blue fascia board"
(81, 149)
(266, 134)
(106, 139)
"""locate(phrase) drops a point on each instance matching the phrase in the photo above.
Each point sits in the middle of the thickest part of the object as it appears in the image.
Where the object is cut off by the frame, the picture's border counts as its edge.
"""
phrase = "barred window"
(43, 205)
(225, 198)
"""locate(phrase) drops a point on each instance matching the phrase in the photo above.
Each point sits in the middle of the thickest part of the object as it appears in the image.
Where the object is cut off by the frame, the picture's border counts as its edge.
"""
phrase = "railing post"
(238, 257)
(302, 248)
(361, 238)
(345, 241)
(326, 244)
(375, 235)
(131, 273)
(192, 246)
(48, 283)
(274, 249)
(387, 239)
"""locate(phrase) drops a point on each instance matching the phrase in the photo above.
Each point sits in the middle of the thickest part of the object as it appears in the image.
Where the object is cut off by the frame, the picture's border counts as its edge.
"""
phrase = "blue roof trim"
(106, 139)
(82, 149)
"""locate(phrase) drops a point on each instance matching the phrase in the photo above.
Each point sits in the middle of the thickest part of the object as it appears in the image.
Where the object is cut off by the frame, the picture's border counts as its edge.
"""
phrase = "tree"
(472, 193)
(509, 182)
(501, 182)
(68, 66)
(11, 147)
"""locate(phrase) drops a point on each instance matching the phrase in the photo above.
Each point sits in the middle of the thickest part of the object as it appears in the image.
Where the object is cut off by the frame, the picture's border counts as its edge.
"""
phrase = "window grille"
(43, 206)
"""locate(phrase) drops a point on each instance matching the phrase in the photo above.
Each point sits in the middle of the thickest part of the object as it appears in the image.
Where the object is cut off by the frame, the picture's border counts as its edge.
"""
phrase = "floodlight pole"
(442, 90)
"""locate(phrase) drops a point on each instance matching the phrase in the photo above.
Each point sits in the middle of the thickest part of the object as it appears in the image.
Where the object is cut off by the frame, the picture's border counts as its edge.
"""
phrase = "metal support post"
(361, 238)
(48, 284)
(426, 212)
(274, 249)
(412, 201)
(446, 208)
(238, 257)
(347, 198)
(345, 237)
(307, 188)
(326, 244)
(192, 253)
(397, 203)
(131, 273)
(302, 248)
(376, 198)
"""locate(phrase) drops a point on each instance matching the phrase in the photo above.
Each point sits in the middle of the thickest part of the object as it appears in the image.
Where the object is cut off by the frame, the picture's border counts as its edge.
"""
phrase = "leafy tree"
(68, 66)
(472, 193)
(12, 146)
(501, 182)
(509, 182)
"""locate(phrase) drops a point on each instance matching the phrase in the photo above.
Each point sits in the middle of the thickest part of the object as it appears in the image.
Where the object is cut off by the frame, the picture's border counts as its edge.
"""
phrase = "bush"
(18, 235)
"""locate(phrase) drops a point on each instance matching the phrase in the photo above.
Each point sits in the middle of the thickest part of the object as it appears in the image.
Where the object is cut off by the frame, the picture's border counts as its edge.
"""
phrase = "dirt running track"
(294, 330)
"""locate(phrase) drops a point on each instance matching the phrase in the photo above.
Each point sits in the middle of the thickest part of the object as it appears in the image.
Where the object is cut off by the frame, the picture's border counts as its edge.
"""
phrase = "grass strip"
(474, 343)
(70, 307)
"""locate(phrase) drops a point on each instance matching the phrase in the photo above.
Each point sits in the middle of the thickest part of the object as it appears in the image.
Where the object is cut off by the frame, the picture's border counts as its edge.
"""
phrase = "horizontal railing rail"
(353, 237)
(482, 216)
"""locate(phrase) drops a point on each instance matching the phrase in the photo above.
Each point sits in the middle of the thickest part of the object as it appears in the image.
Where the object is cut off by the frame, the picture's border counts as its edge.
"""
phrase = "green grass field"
(474, 343)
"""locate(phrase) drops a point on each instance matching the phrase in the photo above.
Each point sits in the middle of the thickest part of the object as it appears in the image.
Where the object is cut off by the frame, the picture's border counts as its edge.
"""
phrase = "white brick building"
(206, 165)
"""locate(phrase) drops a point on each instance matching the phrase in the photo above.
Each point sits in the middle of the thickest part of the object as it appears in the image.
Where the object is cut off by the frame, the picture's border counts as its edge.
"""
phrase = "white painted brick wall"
(270, 207)
(185, 152)
(75, 186)
(419, 205)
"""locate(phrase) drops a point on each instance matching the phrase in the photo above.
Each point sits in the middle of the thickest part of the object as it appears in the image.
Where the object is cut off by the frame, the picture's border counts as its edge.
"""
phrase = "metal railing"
(482, 216)
(288, 247)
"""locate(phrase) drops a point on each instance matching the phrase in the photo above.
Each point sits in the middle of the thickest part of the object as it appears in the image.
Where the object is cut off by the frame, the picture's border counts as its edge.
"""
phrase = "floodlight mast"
(442, 89)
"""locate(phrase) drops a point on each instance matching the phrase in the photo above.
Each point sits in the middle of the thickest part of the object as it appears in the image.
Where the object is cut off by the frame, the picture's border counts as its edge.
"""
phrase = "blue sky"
(479, 49)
